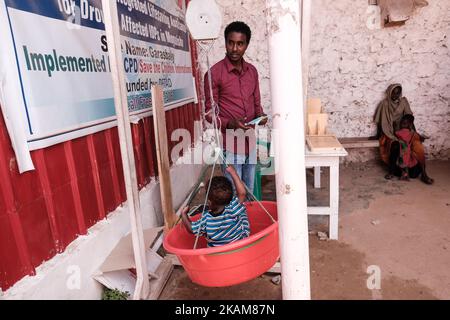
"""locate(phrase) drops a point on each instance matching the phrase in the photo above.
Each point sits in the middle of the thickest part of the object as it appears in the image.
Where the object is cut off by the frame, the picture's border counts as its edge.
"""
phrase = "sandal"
(389, 176)
(404, 177)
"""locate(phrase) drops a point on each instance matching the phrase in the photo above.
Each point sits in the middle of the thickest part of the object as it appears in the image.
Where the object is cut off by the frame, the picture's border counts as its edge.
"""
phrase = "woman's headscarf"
(390, 112)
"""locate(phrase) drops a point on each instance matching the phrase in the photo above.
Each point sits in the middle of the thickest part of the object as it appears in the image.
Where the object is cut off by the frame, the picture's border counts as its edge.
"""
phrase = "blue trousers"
(245, 166)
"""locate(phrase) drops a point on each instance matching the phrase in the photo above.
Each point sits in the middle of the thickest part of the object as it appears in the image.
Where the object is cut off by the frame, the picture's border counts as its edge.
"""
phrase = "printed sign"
(55, 70)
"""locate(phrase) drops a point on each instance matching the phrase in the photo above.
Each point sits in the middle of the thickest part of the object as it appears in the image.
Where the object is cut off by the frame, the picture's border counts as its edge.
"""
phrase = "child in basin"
(225, 218)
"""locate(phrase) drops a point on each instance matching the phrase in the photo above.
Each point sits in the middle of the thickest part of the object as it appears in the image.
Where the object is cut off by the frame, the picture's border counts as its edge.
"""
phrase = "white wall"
(88, 252)
(351, 66)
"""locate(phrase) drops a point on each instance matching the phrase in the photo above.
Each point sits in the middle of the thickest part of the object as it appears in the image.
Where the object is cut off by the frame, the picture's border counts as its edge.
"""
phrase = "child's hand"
(231, 170)
(185, 210)
(186, 221)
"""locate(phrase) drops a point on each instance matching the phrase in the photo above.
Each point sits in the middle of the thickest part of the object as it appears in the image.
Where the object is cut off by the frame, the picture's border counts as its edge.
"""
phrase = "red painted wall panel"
(55, 161)
(15, 258)
(60, 196)
(148, 149)
(37, 232)
(118, 163)
(85, 180)
(106, 191)
(65, 215)
(152, 144)
(11, 269)
(44, 200)
(26, 186)
(186, 121)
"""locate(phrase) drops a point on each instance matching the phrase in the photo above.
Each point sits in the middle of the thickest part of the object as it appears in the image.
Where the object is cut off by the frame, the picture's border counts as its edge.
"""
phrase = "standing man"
(235, 88)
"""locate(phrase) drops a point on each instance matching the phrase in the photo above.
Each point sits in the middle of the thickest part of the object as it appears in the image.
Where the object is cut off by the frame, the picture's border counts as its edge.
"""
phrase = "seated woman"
(389, 113)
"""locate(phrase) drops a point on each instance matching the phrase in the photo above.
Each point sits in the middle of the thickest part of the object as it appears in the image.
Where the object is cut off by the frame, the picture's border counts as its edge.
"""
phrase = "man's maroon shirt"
(237, 94)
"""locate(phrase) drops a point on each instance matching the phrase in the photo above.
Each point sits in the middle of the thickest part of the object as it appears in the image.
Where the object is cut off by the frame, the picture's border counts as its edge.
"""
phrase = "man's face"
(236, 45)
(396, 93)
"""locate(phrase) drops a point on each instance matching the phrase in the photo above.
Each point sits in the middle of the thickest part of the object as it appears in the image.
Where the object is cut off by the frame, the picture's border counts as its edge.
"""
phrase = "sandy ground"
(400, 228)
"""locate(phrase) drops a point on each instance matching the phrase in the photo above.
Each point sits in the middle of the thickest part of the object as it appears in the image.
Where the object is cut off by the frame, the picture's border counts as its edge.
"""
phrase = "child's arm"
(186, 221)
(239, 185)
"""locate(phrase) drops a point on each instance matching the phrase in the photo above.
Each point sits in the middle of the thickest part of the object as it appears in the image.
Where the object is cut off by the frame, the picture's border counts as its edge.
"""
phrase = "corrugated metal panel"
(15, 257)
(75, 185)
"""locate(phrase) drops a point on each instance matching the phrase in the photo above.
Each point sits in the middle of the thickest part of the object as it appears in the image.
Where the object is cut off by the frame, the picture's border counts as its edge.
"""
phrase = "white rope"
(205, 48)
(204, 204)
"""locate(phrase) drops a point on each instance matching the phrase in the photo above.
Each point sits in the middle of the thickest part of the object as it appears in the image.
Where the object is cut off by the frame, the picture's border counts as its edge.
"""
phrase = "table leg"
(334, 199)
(317, 177)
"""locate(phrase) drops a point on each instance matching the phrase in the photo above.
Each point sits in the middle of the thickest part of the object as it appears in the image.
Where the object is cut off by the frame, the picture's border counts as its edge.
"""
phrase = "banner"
(55, 73)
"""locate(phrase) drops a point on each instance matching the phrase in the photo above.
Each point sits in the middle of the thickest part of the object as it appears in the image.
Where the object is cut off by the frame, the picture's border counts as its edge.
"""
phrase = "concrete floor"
(400, 227)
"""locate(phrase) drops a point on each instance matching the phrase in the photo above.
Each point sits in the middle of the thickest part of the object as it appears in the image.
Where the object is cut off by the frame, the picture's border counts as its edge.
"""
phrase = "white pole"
(126, 147)
(306, 44)
(284, 27)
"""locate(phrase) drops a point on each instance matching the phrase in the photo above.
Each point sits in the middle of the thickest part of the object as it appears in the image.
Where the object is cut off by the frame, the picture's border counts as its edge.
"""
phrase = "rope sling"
(217, 154)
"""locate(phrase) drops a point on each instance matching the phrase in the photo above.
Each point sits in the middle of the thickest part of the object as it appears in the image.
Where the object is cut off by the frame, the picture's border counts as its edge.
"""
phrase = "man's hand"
(264, 121)
(237, 124)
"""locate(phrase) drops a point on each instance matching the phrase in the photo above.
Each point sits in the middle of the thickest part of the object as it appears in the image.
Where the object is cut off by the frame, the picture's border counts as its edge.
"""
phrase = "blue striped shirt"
(229, 226)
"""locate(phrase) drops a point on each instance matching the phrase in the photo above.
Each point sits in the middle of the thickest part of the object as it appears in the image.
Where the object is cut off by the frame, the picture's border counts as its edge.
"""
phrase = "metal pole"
(126, 147)
(284, 27)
